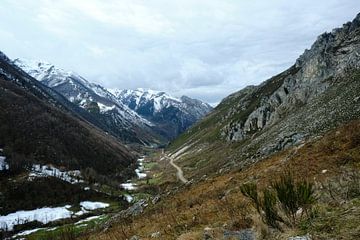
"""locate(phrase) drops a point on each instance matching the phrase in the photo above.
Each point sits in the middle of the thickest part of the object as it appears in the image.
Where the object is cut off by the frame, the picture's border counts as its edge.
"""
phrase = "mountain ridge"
(306, 100)
(157, 118)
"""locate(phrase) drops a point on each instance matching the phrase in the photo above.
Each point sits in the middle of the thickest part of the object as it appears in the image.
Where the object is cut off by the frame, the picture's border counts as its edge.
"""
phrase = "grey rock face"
(171, 116)
(331, 56)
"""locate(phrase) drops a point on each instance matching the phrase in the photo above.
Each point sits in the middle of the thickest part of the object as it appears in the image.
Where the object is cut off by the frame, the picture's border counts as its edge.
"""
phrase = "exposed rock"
(156, 199)
(305, 237)
(171, 116)
(136, 209)
(155, 235)
(245, 234)
(258, 108)
(134, 238)
(220, 233)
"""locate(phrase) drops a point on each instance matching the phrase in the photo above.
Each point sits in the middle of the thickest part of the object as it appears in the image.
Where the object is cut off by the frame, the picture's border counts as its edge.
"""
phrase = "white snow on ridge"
(141, 96)
(41, 69)
(73, 176)
(3, 164)
(43, 215)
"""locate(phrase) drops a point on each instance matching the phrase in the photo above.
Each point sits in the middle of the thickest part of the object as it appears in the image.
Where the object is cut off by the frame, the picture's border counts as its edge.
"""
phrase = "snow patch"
(89, 219)
(27, 232)
(72, 177)
(128, 198)
(3, 164)
(87, 205)
(128, 186)
(104, 108)
(43, 215)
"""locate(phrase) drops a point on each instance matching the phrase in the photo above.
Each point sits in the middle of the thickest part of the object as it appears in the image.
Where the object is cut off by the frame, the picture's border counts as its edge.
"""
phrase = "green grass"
(68, 229)
(150, 165)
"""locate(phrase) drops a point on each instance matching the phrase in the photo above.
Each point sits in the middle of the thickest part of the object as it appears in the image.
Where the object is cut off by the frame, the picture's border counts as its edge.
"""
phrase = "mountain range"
(271, 161)
(133, 116)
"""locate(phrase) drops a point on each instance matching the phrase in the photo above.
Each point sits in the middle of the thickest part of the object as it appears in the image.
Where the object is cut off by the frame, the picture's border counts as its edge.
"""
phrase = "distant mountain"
(133, 116)
(118, 119)
(171, 116)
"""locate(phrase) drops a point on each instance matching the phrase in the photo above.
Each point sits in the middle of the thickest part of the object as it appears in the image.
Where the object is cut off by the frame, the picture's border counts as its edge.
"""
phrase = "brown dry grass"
(218, 201)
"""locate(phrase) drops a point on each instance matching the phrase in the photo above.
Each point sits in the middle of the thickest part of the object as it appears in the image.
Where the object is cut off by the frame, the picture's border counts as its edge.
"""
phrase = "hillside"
(215, 207)
(275, 161)
(133, 116)
(51, 156)
(309, 98)
(111, 115)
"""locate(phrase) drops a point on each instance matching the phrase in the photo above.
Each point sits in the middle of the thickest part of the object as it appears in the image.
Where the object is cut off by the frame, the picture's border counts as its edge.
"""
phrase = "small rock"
(134, 238)
(305, 237)
(155, 235)
(156, 199)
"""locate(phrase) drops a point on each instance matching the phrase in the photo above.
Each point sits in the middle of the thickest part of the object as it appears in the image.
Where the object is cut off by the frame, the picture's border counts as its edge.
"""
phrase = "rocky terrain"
(171, 116)
(291, 142)
(311, 97)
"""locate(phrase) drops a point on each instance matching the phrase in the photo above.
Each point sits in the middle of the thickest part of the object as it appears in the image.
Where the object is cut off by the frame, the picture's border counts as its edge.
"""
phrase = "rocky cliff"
(319, 92)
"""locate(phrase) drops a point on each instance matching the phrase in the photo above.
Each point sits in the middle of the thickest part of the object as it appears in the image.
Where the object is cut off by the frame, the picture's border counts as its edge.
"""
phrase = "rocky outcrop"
(332, 55)
(320, 92)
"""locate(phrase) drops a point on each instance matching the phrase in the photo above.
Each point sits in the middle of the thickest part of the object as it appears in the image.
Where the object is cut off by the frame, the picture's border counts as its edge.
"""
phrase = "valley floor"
(214, 205)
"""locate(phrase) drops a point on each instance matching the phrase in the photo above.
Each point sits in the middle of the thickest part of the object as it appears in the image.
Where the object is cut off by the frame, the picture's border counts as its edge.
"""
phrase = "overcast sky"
(205, 49)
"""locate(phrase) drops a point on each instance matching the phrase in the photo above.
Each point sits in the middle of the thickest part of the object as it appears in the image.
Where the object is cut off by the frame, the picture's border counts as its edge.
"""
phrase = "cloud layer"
(205, 49)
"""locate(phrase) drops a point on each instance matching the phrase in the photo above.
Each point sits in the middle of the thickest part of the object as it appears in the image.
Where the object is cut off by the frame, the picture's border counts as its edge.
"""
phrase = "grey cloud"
(206, 49)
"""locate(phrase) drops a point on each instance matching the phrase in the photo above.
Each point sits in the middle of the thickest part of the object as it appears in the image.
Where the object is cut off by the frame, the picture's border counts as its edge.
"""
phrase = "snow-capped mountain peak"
(41, 70)
(121, 110)
(173, 114)
(139, 97)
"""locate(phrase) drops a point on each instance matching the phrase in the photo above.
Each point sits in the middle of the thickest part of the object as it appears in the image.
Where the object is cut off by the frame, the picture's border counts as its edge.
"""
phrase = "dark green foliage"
(290, 195)
(293, 196)
(269, 207)
(250, 190)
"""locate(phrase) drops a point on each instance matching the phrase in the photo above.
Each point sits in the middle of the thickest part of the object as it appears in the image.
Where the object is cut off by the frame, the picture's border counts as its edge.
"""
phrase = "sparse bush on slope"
(285, 198)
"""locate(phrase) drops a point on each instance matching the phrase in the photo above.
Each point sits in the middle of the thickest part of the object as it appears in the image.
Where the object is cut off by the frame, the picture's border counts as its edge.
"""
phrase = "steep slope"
(116, 118)
(171, 116)
(215, 207)
(37, 125)
(319, 92)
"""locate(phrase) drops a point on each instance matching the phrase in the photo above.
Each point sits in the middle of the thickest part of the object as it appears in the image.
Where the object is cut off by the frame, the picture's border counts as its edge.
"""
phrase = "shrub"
(250, 190)
(269, 207)
(291, 196)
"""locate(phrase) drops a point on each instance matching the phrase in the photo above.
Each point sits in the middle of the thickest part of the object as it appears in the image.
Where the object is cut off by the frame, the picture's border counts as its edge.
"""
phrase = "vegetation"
(292, 198)
(217, 202)
(32, 131)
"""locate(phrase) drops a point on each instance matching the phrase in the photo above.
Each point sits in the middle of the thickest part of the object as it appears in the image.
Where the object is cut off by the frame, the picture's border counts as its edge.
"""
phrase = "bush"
(291, 196)
(250, 190)
(269, 207)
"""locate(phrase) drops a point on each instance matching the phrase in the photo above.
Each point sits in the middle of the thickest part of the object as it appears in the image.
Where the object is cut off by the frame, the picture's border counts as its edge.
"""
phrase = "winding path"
(179, 172)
